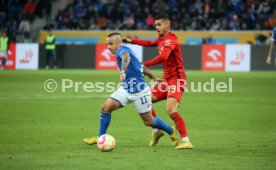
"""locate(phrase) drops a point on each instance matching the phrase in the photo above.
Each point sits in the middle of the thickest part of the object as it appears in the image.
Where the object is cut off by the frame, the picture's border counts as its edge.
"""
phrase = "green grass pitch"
(41, 130)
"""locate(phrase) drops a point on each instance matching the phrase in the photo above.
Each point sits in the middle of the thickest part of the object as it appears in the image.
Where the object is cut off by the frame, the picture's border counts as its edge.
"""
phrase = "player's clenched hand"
(127, 40)
(122, 75)
(268, 60)
(158, 80)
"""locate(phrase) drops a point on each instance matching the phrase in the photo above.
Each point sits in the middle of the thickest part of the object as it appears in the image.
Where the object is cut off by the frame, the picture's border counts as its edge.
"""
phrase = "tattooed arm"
(125, 62)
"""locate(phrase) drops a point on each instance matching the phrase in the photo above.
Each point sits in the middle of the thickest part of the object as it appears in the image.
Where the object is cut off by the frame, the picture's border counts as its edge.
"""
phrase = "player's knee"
(154, 99)
(105, 108)
(171, 110)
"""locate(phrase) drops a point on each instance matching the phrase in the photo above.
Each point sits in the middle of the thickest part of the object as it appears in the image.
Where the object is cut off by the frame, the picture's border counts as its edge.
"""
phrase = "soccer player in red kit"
(174, 76)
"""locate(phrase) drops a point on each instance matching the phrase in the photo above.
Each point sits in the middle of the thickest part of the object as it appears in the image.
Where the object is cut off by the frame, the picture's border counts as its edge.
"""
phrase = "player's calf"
(156, 122)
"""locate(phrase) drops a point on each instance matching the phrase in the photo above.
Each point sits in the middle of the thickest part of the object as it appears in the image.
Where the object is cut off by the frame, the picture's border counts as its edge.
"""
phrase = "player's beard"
(160, 33)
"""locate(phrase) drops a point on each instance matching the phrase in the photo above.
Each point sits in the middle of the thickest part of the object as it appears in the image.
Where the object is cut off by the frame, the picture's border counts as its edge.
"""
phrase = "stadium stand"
(185, 14)
(17, 16)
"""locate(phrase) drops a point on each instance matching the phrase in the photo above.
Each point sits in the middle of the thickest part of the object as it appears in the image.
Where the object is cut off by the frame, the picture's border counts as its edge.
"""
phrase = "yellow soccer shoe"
(155, 137)
(91, 141)
(174, 137)
(184, 145)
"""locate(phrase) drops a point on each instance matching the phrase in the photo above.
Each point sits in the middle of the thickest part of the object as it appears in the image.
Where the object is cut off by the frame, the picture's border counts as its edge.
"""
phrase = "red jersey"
(170, 56)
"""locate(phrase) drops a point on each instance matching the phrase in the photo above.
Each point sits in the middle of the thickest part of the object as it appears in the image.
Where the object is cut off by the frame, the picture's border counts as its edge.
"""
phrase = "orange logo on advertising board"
(213, 57)
(104, 59)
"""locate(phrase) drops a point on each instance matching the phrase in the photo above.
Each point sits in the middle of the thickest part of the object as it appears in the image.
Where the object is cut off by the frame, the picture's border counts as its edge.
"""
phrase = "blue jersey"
(274, 34)
(134, 81)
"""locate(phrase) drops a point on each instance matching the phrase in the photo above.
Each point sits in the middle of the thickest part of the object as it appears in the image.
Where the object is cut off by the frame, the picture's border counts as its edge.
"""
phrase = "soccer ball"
(106, 142)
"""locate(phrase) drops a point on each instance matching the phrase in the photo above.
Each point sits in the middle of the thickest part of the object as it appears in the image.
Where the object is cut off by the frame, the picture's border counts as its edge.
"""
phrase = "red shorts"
(174, 89)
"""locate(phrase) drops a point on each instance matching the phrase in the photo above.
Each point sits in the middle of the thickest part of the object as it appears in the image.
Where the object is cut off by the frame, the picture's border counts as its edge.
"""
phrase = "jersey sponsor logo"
(104, 59)
(168, 42)
(213, 57)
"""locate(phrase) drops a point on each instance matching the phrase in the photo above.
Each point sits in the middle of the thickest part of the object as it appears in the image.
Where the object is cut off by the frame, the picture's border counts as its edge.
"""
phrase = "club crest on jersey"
(161, 49)
(168, 42)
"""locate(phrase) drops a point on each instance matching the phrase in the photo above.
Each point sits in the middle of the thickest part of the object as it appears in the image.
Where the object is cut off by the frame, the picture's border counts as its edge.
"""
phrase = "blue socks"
(160, 124)
(104, 122)
(4, 60)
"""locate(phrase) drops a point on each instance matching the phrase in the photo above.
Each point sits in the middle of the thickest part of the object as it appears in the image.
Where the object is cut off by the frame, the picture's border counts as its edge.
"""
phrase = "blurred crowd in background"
(185, 14)
(17, 16)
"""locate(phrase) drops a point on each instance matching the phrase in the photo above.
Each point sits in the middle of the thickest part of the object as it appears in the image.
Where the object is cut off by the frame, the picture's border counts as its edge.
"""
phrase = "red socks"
(180, 124)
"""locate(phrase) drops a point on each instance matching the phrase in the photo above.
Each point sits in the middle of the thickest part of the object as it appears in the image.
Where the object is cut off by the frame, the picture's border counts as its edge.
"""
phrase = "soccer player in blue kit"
(134, 90)
(272, 48)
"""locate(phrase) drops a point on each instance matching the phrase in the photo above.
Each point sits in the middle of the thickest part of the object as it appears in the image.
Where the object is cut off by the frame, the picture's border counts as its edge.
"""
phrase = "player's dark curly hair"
(162, 16)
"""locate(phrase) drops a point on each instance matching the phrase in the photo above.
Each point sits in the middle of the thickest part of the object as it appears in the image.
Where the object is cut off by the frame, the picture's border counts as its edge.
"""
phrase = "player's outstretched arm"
(160, 58)
(125, 62)
(127, 40)
(270, 53)
(145, 43)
